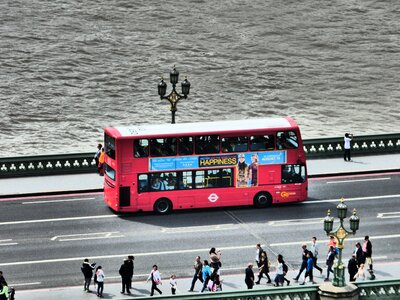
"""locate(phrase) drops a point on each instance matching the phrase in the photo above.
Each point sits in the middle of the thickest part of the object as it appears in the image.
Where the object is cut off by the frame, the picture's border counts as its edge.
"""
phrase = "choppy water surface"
(70, 68)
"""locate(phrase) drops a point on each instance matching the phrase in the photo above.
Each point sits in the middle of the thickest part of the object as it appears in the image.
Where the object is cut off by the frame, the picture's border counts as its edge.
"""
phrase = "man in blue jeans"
(197, 273)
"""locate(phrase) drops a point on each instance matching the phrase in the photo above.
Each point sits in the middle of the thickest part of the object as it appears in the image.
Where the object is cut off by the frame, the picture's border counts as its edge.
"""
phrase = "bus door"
(292, 187)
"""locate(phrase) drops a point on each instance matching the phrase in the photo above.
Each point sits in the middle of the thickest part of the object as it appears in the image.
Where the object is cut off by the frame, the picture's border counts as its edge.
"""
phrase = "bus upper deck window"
(286, 140)
(261, 142)
(141, 148)
(206, 144)
(185, 145)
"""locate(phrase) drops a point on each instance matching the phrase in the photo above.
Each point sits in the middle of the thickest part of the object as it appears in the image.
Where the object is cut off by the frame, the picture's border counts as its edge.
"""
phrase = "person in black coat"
(249, 278)
(131, 269)
(360, 257)
(264, 269)
(125, 276)
(87, 270)
(352, 268)
(304, 259)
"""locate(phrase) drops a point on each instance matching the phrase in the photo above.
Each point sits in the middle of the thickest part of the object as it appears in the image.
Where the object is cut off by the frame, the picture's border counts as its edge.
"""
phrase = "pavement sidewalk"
(92, 182)
(142, 289)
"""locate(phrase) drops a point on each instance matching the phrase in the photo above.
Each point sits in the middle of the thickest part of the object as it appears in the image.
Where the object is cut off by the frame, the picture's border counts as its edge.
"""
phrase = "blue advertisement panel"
(162, 164)
(189, 162)
(272, 157)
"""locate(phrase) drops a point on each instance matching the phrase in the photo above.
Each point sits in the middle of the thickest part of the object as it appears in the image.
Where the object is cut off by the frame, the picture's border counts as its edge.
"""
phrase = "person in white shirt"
(347, 146)
(314, 250)
(155, 277)
(100, 281)
(173, 283)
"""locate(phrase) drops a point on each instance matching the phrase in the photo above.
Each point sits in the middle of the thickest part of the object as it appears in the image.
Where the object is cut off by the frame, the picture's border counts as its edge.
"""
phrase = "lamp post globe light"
(340, 234)
(174, 96)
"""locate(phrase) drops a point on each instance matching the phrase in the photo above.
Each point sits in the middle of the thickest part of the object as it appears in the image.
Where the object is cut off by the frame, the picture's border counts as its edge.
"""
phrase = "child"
(173, 283)
(360, 272)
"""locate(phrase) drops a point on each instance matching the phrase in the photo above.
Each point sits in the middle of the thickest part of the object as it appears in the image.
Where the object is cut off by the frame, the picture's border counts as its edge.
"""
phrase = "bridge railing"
(367, 290)
(84, 162)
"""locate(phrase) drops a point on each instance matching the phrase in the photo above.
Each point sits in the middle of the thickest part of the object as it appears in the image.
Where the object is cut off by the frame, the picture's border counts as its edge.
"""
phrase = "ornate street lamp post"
(340, 234)
(174, 96)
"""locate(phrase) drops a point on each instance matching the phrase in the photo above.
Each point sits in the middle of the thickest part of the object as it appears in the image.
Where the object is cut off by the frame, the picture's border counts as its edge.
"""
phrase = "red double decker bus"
(207, 164)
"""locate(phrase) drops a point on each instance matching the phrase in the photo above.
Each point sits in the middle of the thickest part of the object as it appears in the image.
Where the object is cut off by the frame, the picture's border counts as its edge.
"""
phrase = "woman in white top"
(100, 281)
(155, 278)
(279, 271)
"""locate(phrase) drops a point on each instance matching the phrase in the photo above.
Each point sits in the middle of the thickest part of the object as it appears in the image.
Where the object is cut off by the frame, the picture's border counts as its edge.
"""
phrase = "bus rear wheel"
(163, 206)
(262, 200)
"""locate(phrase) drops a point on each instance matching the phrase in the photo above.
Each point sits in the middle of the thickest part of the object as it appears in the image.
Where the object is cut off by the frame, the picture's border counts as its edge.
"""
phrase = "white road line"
(296, 222)
(351, 199)
(56, 201)
(358, 180)
(199, 228)
(378, 237)
(58, 219)
(24, 284)
(389, 215)
(86, 236)
(5, 243)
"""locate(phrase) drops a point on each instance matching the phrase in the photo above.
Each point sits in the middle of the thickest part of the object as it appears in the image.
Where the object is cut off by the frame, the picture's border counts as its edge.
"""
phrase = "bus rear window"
(286, 140)
(109, 143)
(110, 172)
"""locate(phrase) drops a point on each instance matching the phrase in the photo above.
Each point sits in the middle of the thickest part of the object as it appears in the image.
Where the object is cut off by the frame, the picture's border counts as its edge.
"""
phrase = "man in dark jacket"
(131, 269)
(249, 278)
(367, 250)
(87, 270)
(125, 276)
(303, 262)
(352, 268)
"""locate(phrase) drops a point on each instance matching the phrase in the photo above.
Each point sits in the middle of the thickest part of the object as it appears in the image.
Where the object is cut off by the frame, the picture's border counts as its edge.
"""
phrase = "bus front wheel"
(262, 200)
(163, 206)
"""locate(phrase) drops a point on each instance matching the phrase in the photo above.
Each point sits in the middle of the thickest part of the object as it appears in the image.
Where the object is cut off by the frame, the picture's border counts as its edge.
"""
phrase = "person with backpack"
(279, 271)
(87, 270)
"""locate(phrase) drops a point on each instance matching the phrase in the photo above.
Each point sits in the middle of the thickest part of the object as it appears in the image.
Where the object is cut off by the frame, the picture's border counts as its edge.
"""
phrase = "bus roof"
(200, 127)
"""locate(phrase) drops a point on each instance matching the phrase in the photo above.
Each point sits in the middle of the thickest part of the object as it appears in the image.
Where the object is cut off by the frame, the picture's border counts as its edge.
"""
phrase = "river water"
(70, 68)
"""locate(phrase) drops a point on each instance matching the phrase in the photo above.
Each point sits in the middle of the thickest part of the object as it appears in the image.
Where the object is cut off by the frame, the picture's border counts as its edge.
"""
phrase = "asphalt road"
(44, 240)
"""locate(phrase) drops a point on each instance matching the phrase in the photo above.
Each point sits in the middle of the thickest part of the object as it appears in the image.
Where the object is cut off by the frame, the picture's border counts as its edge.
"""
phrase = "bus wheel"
(262, 200)
(163, 206)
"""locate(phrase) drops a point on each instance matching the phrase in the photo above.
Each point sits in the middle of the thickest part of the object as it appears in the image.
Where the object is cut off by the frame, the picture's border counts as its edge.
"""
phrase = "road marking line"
(86, 236)
(58, 219)
(358, 180)
(56, 201)
(351, 199)
(24, 284)
(380, 237)
(199, 228)
(389, 215)
(2, 243)
(296, 222)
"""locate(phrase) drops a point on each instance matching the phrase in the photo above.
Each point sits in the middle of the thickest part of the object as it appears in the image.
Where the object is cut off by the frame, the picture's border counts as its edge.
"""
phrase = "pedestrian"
(173, 283)
(215, 258)
(87, 270)
(259, 250)
(206, 270)
(347, 146)
(332, 242)
(367, 251)
(97, 155)
(285, 271)
(352, 268)
(100, 281)
(249, 276)
(304, 259)
(264, 268)
(314, 250)
(279, 277)
(197, 272)
(329, 261)
(359, 255)
(4, 290)
(155, 278)
(131, 269)
(309, 269)
(125, 277)
(100, 166)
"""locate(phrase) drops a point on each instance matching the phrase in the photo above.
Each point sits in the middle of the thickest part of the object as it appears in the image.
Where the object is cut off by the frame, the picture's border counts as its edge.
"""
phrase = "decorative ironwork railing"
(84, 162)
(379, 289)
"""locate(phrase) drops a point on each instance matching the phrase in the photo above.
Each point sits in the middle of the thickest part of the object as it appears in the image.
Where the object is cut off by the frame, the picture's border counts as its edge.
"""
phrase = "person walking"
(329, 262)
(314, 250)
(279, 277)
(215, 258)
(197, 272)
(97, 155)
(249, 276)
(4, 290)
(367, 251)
(352, 268)
(155, 278)
(131, 269)
(259, 251)
(309, 269)
(100, 281)
(125, 277)
(359, 255)
(87, 270)
(347, 146)
(173, 283)
(264, 268)
(206, 275)
(304, 259)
